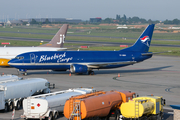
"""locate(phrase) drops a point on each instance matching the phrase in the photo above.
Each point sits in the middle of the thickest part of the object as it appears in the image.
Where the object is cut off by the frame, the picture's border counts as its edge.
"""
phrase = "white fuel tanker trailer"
(9, 78)
(48, 106)
(13, 92)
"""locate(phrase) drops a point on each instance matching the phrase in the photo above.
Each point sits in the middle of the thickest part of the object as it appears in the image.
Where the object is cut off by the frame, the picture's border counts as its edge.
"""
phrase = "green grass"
(169, 36)
(73, 44)
(103, 31)
(99, 26)
(87, 38)
(175, 51)
(26, 35)
(161, 42)
(33, 43)
(30, 29)
(119, 40)
(21, 43)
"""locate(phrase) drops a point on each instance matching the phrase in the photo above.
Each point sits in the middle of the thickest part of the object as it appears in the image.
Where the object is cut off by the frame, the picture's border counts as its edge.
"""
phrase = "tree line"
(120, 20)
(137, 20)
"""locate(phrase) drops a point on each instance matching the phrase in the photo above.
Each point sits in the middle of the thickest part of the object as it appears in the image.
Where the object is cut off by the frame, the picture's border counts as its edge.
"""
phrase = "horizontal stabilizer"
(154, 53)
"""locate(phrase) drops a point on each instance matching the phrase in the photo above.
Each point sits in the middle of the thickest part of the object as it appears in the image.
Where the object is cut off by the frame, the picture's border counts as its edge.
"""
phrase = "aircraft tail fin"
(143, 42)
(58, 39)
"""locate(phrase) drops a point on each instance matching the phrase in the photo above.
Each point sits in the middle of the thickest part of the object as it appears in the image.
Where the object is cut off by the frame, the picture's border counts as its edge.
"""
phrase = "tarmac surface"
(159, 75)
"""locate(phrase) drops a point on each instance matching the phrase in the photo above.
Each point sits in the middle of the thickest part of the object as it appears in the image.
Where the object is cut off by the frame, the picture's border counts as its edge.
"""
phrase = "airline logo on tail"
(145, 40)
(62, 38)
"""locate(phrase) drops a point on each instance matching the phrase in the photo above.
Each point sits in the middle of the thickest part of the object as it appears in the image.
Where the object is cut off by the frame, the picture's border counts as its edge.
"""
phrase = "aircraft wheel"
(91, 73)
(25, 73)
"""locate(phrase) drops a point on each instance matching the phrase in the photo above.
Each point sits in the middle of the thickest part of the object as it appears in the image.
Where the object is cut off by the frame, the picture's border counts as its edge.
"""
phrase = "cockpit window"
(20, 57)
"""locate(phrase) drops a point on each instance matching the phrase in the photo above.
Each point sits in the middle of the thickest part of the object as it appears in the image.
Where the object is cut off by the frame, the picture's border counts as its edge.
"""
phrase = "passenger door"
(32, 58)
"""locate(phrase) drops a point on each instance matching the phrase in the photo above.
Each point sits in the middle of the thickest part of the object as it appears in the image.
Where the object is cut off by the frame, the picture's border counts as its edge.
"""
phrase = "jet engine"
(76, 68)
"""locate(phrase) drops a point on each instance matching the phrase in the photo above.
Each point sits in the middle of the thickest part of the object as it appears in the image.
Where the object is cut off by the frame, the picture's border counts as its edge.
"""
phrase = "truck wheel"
(18, 105)
(11, 107)
(47, 90)
(6, 109)
(55, 115)
(50, 116)
(114, 116)
(21, 102)
(161, 115)
(117, 115)
(104, 118)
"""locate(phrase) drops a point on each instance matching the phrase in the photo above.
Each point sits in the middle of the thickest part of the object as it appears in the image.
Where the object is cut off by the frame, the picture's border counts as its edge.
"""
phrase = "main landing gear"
(22, 70)
(90, 72)
(25, 73)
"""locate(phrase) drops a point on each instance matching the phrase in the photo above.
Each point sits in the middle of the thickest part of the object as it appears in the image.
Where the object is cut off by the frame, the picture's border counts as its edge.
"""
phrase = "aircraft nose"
(11, 62)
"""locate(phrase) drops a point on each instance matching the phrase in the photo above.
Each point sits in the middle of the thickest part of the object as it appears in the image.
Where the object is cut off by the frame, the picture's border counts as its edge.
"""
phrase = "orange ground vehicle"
(98, 104)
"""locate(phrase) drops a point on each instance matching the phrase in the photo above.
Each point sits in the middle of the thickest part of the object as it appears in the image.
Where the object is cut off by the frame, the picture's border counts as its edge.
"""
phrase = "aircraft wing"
(98, 65)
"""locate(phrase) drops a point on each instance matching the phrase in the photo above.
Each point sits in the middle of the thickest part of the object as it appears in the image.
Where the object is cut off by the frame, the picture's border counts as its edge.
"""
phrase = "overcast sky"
(85, 9)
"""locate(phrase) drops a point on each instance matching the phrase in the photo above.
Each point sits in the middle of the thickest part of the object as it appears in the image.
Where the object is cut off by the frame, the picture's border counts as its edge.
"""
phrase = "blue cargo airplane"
(85, 61)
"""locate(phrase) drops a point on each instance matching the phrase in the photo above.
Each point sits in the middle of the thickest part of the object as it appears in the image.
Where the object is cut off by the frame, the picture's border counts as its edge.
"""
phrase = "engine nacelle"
(76, 68)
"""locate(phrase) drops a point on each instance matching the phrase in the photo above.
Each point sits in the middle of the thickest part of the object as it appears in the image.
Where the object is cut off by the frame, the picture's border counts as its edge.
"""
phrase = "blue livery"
(175, 107)
(86, 61)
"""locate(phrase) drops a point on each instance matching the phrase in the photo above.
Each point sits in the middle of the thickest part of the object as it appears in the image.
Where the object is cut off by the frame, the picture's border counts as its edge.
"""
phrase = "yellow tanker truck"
(143, 108)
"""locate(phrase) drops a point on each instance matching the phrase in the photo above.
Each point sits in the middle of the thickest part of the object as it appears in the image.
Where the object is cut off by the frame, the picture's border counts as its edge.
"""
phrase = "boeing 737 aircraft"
(55, 44)
(86, 61)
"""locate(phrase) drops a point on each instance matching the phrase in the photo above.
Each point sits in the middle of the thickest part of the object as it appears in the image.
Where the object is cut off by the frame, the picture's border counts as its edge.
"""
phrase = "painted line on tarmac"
(115, 78)
(170, 113)
(167, 89)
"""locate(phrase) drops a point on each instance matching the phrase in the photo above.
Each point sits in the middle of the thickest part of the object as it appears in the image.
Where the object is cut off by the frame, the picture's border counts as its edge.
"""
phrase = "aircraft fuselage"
(63, 59)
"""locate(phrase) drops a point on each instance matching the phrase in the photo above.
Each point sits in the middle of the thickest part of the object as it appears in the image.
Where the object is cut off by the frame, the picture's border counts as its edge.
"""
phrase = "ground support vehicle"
(100, 104)
(143, 108)
(13, 92)
(49, 106)
(8, 78)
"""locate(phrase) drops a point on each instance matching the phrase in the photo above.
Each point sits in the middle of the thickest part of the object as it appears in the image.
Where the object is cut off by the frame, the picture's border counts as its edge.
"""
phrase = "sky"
(86, 9)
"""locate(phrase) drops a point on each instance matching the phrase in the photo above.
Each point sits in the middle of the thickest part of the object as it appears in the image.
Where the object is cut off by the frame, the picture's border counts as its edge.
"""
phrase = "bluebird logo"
(145, 40)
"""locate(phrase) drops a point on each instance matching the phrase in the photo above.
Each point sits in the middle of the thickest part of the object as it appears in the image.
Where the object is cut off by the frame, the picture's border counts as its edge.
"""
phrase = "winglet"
(58, 39)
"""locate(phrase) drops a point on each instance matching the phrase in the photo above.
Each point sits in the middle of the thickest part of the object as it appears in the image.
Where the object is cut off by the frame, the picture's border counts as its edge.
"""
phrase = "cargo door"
(2, 100)
(32, 58)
